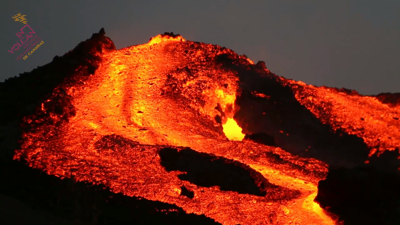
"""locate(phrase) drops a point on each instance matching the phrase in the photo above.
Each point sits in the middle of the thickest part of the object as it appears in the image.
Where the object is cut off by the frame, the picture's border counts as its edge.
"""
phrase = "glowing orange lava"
(168, 92)
(363, 116)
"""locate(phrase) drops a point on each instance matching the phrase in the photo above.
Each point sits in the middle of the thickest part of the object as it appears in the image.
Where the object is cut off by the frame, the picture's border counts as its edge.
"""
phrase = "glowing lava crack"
(157, 117)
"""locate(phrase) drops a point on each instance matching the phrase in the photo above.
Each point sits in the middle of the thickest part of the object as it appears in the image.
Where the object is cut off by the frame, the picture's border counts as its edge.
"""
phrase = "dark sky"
(343, 43)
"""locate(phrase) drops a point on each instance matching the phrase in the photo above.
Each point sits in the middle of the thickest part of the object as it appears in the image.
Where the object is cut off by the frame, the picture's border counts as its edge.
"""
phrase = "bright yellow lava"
(232, 130)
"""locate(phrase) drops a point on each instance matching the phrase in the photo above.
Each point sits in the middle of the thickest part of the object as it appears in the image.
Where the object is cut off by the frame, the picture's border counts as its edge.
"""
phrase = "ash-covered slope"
(150, 121)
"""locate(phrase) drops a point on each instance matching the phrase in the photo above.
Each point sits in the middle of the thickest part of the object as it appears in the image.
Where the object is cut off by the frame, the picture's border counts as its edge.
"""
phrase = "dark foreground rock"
(38, 198)
(362, 195)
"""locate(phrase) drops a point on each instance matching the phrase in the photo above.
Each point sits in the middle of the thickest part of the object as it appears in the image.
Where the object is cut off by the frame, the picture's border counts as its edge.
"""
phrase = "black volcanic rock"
(362, 195)
(208, 170)
(261, 138)
(261, 65)
(171, 34)
(392, 99)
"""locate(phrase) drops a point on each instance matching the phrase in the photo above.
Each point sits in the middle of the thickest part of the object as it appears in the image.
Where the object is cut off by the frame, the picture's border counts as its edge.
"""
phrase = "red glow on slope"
(149, 97)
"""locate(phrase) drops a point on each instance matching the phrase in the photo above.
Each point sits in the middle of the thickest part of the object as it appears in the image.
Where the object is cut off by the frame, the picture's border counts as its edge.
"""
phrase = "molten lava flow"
(232, 130)
(150, 99)
(160, 38)
(364, 116)
(313, 206)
